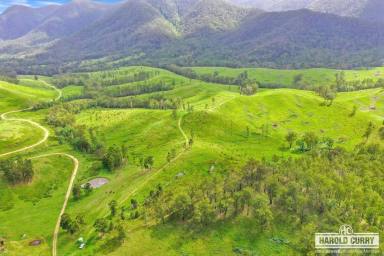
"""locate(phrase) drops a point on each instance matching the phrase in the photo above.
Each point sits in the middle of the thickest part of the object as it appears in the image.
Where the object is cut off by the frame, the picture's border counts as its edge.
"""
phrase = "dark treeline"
(122, 91)
(82, 139)
(9, 76)
(17, 170)
(241, 80)
(247, 86)
(62, 117)
(103, 78)
(340, 84)
(316, 192)
(152, 102)
(211, 78)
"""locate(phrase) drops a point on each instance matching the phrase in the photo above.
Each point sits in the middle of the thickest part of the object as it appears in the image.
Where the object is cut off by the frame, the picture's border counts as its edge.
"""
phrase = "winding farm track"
(178, 156)
(76, 161)
(182, 131)
(139, 186)
(44, 139)
(45, 130)
(67, 195)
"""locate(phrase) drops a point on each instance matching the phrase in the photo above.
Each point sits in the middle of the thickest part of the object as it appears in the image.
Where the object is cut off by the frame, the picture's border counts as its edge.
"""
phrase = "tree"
(246, 196)
(160, 210)
(381, 133)
(369, 130)
(182, 206)
(330, 96)
(169, 157)
(291, 138)
(101, 225)
(174, 114)
(340, 80)
(73, 227)
(190, 142)
(354, 109)
(204, 213)
(113, 207)
(80, 219)
(261, 211)
(327, 93)
(297, 79)
(88, 188)
(134, 204)
(328, 142)
(148, 162)
(249, 87)
(64, 221)
(273, 188)
(120, 233)
(301, 144)
(310, 139)
(114, 158)
(17, 170)
(76, 191)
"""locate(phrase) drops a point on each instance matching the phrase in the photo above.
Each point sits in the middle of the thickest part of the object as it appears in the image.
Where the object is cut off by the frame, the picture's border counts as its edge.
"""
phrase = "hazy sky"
(4, 4)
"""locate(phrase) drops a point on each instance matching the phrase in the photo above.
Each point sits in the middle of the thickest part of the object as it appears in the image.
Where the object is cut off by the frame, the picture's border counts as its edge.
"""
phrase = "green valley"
(197, 161)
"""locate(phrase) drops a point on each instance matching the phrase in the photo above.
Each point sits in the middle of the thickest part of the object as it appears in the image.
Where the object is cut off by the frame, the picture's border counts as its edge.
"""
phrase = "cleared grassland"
(316, 76)
(218, 123)
(219, 132)
(16, 134)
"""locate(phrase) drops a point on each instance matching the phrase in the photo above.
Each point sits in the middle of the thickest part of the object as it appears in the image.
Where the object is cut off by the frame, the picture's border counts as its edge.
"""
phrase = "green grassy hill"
(314, 77)
(224, 129)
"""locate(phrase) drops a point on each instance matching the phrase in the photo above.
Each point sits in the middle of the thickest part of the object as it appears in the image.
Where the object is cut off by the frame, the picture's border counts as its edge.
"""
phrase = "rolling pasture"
(315, 76)
(227, 129)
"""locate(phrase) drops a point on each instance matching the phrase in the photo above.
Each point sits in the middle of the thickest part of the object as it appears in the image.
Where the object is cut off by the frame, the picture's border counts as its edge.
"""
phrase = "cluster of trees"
(114, 231)
(122, 91)
(147, 162)
(17, 170)
(78, 191)
(327, 93)
(342, 85)
(82, 139)
(211, 78)
(63, 118)
(249, 88)
(71, 225)
(315, 192)
(115, 157)
(103, 78)
(8, 75)
(112, 226)
(151, 102)
(310, 141)
(9, 79)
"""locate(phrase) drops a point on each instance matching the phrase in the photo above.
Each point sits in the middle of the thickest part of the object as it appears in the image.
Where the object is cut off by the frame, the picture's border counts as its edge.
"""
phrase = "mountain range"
(370, 10)
(278, 33)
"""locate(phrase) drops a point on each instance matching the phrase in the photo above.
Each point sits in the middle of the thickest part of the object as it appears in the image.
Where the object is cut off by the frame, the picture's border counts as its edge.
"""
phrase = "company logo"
(346, 239)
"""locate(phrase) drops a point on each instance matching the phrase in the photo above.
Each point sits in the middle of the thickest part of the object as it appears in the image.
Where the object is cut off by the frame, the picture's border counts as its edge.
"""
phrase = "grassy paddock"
(316, 76)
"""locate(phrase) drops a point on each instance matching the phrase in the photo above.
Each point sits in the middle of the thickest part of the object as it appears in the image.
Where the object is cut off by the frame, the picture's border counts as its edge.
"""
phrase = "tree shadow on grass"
(242, 233)
(111, 245)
